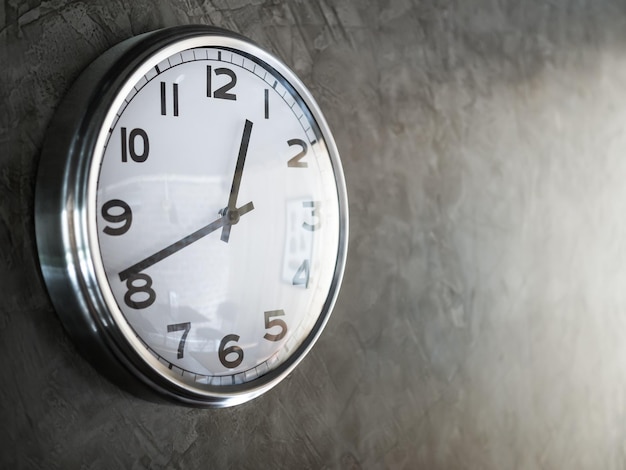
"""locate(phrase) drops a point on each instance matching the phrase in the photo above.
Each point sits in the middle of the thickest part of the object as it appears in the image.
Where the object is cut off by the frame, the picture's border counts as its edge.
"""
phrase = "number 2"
(295, 161)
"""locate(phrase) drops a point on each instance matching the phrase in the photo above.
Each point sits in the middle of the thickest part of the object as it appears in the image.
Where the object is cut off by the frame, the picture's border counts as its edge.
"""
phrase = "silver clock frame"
(65, 216)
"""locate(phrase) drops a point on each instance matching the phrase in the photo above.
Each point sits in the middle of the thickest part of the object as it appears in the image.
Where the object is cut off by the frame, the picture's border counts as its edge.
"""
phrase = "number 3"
(315, 214)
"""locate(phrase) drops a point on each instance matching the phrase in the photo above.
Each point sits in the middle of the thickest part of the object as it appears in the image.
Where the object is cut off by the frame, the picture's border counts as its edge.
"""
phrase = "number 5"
(276, 322)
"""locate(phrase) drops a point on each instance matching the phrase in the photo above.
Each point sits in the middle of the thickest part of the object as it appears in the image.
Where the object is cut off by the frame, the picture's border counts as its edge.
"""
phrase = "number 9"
(114, 217)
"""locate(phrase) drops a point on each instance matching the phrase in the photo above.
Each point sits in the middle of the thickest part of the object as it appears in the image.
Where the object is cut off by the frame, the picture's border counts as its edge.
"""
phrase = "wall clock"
(191, 216)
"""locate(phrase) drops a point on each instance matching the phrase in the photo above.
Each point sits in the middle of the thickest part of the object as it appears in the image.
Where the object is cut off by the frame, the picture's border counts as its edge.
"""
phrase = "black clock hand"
(180, 244)
(231, 212)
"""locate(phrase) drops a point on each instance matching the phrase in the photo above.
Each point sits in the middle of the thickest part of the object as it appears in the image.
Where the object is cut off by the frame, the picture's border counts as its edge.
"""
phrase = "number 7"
(180, 327)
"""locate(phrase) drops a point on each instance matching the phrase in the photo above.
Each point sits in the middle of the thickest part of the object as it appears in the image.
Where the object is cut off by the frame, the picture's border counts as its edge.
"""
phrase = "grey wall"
(482, 322)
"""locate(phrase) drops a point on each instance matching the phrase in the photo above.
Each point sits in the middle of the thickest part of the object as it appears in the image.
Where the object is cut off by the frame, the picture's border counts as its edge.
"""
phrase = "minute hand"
(231, 209)
(180, 244)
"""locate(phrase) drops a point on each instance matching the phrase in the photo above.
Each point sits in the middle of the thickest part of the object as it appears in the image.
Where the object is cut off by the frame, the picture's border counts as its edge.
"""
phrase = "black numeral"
(301, 278)
(295, 161)
(130, 145)
(315, 215)
(185, 327)
(221, 92)
(224, 351)
(276, 322)
(144, 291)
(110, 214)
(164, 99)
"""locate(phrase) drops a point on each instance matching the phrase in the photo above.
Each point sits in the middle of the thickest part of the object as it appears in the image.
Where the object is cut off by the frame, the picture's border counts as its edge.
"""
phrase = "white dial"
(218, 218)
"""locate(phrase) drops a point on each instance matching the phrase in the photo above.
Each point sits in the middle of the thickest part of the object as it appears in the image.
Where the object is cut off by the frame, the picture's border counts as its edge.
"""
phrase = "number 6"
(225, 351)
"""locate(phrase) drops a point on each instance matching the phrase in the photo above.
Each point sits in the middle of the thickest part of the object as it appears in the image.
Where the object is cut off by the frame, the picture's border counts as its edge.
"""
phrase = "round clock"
(191, 216)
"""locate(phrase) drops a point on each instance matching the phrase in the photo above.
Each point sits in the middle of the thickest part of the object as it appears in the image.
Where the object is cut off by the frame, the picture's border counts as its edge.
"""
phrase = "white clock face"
(217, 215)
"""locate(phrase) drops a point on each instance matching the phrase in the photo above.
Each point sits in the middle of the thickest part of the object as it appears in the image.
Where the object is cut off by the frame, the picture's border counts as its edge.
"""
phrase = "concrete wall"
(482, 322)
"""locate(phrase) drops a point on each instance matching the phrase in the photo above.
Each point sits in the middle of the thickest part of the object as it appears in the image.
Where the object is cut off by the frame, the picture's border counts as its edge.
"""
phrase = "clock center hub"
(232, 216)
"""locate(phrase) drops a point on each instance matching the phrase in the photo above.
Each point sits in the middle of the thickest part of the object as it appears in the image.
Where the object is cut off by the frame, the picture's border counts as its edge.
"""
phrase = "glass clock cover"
(208, 228)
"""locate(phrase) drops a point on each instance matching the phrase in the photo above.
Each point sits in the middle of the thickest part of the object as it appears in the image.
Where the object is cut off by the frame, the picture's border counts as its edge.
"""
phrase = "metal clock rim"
(69, 211)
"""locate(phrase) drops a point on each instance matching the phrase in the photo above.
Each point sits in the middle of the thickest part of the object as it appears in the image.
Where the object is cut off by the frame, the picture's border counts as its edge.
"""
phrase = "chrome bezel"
(65, 214)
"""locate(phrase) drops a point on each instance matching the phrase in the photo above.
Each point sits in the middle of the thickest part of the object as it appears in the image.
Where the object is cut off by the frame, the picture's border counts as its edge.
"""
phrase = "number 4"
(301, 278)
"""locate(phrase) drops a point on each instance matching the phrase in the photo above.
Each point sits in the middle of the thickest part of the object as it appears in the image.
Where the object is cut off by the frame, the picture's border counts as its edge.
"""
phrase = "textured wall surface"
(482, 321)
